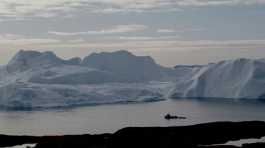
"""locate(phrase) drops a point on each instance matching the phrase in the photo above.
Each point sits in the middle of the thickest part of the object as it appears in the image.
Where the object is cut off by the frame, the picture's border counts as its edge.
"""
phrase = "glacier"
(33, 80)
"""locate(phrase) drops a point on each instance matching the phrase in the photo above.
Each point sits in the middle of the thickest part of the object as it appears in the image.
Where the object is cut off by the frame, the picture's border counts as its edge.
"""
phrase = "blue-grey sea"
(110, 118)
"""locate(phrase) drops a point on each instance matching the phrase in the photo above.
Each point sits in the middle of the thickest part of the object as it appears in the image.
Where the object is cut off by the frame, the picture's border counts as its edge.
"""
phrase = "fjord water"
(109, 118)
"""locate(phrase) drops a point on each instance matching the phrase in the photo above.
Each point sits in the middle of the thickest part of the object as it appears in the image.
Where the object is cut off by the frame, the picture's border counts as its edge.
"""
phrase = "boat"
(169, 117)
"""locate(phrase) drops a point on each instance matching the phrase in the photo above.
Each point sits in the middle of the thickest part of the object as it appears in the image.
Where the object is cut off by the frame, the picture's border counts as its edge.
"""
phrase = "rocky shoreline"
(208, 135)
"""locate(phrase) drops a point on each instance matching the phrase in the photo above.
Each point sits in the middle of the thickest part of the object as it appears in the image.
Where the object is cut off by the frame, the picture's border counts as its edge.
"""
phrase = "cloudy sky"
(171, 31)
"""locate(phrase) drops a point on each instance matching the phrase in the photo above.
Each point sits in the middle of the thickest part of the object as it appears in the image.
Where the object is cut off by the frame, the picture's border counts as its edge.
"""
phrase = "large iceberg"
(41, 80)
(128, 67)
(234, 79)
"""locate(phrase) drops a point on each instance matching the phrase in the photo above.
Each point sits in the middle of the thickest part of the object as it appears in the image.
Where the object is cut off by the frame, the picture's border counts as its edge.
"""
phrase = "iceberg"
(42, 80)
(232, 79)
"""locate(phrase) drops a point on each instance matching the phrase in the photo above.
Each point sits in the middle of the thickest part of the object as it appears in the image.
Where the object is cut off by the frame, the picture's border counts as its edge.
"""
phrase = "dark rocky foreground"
(195, 136)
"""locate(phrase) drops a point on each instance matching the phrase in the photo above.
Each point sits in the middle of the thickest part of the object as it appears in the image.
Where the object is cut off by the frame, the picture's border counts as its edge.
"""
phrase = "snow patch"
(23, 146)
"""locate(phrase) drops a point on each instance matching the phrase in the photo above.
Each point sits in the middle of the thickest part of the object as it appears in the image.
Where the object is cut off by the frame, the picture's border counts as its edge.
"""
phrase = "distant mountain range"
(41, 80)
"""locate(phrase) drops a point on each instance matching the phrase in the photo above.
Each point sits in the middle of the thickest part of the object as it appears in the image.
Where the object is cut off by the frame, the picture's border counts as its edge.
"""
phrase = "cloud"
(153, 44)
(127, 42)
(139, 38)
(179, 30)
(131, 42)
(52, 8)
(218, 2)
(165, 31)
(137, 10)
(112, 30)
(14, 39)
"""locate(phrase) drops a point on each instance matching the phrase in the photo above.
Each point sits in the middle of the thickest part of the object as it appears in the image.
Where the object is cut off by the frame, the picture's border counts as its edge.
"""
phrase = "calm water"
(109, 118)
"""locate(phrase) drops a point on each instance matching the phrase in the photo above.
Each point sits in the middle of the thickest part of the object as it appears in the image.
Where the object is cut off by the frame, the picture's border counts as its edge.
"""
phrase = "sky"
(171, 31)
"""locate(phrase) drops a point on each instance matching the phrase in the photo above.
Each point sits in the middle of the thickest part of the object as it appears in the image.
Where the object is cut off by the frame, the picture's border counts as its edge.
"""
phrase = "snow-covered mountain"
(237, 79)
(41, 79)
